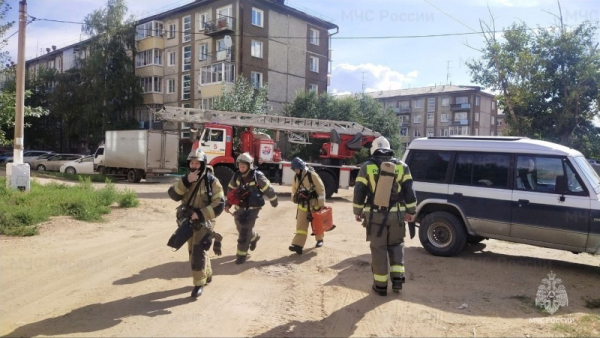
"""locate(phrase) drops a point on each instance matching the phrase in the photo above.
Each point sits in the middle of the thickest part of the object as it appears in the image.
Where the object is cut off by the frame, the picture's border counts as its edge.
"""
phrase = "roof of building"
(438, 89)
(58, 50)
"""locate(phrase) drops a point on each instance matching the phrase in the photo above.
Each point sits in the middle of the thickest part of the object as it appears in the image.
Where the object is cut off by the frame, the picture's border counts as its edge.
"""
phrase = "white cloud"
(349, 78)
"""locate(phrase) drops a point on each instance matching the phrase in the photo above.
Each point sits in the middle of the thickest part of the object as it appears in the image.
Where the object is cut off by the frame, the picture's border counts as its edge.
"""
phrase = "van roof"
(492, 144)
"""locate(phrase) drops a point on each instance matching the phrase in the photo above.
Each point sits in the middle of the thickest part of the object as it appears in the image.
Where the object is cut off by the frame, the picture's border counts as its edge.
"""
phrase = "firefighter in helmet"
(202, 200)
(383, 211)
(308, 192)
(248, 185)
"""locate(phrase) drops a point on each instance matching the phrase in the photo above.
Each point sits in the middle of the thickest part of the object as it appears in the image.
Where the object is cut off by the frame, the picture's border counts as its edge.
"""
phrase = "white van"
(508, 188)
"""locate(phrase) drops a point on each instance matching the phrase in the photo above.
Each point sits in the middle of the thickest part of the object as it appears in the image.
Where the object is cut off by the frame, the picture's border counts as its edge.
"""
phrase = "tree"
(4, 27)
(243, 98)
(548, 80)
(359, 108)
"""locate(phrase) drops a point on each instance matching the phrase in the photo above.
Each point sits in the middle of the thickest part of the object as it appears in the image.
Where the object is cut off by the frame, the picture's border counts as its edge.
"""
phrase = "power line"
(17, 31)
(453, 18)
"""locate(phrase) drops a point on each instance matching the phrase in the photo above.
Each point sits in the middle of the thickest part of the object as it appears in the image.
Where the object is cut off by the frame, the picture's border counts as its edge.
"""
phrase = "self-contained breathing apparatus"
(245, 196)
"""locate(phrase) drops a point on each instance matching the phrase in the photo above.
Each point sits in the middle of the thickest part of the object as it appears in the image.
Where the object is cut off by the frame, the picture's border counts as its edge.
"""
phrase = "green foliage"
(4, 27)
(548, 81)
(359, 108)
(243, 98)
(21, 212)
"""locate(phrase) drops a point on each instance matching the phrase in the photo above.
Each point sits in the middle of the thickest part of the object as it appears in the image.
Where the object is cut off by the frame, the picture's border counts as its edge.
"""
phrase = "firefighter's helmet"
(244, 158)
(379, 143)
(198, 155)
(297, 163)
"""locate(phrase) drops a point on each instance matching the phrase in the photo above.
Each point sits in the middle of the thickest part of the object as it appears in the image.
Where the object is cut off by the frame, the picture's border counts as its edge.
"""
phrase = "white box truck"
(138, 154)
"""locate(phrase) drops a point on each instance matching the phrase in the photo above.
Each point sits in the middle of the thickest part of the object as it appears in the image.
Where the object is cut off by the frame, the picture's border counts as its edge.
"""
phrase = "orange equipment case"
(322, 220)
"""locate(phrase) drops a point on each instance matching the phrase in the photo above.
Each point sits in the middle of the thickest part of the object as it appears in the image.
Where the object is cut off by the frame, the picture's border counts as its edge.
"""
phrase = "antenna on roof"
(448, 71)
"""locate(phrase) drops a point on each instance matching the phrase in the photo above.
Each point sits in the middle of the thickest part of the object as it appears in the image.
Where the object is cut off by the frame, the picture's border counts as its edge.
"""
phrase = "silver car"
(53, 163)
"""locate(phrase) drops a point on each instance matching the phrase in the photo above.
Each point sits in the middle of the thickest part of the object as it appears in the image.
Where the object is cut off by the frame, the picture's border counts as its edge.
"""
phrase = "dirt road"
(118, 278)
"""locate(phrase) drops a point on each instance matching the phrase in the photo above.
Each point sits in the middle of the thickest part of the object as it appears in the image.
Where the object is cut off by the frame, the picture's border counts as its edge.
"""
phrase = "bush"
(21, 212)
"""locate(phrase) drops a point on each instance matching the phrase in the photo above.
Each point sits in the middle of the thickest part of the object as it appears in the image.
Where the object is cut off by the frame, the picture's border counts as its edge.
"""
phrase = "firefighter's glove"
(274, 203)
(217, 248)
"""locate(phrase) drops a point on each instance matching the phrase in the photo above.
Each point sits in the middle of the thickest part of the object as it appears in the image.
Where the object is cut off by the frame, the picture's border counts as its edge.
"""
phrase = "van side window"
(429, 166)
(539, 173)
(483, 170)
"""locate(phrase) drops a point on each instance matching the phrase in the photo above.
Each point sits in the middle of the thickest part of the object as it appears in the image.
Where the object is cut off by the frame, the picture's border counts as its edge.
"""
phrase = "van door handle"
(523, 202)
(458, 194)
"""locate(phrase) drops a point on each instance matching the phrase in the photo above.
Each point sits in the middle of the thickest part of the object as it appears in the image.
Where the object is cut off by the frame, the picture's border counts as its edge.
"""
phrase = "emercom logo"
(551, 295)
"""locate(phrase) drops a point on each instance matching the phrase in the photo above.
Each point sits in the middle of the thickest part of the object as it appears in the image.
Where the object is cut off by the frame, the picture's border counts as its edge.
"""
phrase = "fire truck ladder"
(295, 125)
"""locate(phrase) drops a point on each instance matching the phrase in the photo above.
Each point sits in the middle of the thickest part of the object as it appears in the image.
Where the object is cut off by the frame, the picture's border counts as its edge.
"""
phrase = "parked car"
(507, 188)
(83, 165)
(30, 155)
(4, 156)
(53, 163)
(41, 157)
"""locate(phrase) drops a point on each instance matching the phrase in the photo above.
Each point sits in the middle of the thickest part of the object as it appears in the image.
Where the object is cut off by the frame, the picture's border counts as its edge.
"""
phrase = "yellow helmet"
(244, 158)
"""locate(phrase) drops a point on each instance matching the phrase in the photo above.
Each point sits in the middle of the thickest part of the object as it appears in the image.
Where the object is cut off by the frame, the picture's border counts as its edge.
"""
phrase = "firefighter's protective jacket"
(209, 206)
(262, 183)
(366, 182)
(304, 183)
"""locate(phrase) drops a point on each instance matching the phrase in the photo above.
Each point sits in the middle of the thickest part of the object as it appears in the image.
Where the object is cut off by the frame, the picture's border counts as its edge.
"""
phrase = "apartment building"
(443, 110)
(186, 55)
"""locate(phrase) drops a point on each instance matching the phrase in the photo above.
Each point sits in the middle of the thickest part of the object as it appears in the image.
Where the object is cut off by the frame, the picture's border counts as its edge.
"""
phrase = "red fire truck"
(216, 138)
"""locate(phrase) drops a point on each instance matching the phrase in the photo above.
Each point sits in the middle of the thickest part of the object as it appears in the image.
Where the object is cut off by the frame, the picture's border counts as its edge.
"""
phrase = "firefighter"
(249, 185)
(202, 199)
(308, 192)
(385, 225)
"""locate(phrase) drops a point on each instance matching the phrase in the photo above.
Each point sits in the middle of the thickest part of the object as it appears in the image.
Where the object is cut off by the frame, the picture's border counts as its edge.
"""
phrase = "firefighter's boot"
(208, 280)
(319, 244)
(382, 291)
(296, 248)
(197, 292)
(253, 243)
(397, 283)
(240, 259)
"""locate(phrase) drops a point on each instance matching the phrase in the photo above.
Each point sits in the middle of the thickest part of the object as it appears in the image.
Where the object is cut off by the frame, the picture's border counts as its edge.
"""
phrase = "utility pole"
(17, 173)
(448, 72)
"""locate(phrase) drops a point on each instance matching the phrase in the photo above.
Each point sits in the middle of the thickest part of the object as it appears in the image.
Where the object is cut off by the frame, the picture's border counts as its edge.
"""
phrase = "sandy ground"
(118, 278)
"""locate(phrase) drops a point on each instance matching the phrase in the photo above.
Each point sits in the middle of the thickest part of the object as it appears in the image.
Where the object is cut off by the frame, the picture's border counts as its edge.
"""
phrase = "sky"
(368, 51)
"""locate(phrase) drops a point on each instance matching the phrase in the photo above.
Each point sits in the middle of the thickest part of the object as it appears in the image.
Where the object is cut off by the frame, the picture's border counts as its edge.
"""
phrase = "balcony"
(220, 56)
(402, 110)
(460, 106)
(460, 122)
(222, 25)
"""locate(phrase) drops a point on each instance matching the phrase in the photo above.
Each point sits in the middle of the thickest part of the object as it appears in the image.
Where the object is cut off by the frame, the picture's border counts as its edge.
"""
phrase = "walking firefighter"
(383, 200)
(202, 201)
(247, 187)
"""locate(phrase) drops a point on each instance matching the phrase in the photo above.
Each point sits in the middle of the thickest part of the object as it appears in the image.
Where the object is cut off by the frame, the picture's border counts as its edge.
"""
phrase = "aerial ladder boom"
(271, 122)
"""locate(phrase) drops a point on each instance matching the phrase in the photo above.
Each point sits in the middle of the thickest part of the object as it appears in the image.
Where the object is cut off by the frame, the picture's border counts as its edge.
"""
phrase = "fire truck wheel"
(224, 174)
(329, 183)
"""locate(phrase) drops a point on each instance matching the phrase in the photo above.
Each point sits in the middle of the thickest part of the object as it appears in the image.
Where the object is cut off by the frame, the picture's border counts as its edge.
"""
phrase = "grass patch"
(21, 212)
(585, 326)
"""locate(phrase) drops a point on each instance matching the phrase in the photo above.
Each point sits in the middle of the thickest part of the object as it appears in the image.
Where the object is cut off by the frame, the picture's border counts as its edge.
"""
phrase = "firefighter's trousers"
(197, 247)
(387, 246)
(244, 223)
(302, 224)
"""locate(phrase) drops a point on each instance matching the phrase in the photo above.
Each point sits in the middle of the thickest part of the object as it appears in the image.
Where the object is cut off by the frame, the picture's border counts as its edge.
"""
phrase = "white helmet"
(244, 158)
(197, 154)
(379, 143)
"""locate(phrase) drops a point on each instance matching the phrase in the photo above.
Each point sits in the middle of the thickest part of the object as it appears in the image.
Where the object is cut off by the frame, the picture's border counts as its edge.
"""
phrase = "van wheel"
(224, 174)
(133, 176)
(328, 182)
(442, 234)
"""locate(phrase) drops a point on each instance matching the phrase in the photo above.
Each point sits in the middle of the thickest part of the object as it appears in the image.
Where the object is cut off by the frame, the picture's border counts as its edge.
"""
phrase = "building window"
(203, 52)
(257, 17)
(477, 100)
(171, 58)
(443, 132)
(403, 131)
(460, 116)
(256, 49)
(445, 102)
(314, 36)
(418, 103)
(148, 29)
(444, 117)
(187, 28)
(417, 119)
(202, 20)
(313, 88)
(256, 79)
(476, 117)
(430, 118)
(404, 104)
(314, 64)
(149, 57)
(185, 87)
(187, 58)
(493, 120)
(172, 29)
(476, 131)
(462, 99)
(417, 133)
(493, 104)
(151, 84)
(170, 86)
(206, 103)
(429, 133)
(431, 104)
(218, 72)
